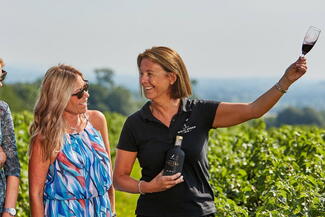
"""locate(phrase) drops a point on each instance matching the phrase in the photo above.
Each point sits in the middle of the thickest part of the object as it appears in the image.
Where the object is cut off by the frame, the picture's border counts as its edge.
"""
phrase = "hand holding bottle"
(161, 183)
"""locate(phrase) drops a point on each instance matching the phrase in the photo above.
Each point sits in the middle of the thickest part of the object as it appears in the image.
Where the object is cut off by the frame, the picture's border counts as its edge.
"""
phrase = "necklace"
(81, 120)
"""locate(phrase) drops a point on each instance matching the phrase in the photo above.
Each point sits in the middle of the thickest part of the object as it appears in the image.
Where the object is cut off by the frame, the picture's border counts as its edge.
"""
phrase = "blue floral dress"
(78, 180)
(8, 144)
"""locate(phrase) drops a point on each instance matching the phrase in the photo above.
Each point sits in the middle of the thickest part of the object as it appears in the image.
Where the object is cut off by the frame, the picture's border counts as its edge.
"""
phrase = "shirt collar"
(147, 115)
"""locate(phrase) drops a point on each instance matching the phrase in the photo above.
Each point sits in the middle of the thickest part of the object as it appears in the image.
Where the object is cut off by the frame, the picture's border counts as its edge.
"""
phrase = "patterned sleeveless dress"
(78, 180)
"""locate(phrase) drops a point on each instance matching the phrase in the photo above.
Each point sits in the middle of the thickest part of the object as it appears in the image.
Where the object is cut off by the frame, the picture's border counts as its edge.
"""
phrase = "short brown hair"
(171, 62)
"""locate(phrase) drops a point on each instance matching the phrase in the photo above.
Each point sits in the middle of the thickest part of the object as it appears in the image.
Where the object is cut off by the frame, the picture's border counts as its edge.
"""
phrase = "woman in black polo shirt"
(150, 132)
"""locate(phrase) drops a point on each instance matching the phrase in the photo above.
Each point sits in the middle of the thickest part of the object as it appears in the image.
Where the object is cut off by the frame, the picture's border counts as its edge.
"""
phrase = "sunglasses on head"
(81, 92)
(3, 75)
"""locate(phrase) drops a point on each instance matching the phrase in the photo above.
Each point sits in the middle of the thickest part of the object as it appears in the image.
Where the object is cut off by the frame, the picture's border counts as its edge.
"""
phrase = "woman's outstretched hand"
(294, 72)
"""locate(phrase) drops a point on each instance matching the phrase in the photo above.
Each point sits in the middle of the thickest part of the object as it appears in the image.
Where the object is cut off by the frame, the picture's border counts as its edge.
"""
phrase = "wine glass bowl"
(310, 39)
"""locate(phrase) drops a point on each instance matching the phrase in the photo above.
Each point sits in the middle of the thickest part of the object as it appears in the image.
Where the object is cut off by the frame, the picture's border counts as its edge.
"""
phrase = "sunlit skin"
(156, 84)
(73, 115)
(155, 81)
(230, 114)
(75, 105)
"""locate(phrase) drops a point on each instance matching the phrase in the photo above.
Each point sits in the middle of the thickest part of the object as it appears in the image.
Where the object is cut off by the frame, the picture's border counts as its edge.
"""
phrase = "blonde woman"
(9, 163)
(69, 168)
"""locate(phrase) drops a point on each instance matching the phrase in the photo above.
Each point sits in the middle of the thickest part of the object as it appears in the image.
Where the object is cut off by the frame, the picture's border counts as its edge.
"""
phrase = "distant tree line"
(105, 95)
(20, 96)
(297, 116)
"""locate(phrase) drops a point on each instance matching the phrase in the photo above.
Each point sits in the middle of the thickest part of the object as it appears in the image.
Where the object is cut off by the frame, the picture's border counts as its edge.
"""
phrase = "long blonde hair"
(48, 124)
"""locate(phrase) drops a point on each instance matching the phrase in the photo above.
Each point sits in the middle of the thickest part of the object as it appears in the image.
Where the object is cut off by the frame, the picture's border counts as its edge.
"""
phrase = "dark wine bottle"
(174, 158)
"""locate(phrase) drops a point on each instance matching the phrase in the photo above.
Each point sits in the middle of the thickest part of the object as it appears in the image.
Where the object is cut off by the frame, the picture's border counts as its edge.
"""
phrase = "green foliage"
(126, 202)
(22, 121)
(114, 99)
(115, 122)
(104, 76)
(106, 96)
(278, 172)
(254, 171)
(20, 96)
(120, 99)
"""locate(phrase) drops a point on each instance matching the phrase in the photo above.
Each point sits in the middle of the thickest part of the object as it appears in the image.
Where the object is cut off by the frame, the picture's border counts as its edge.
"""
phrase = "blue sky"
(216, 38)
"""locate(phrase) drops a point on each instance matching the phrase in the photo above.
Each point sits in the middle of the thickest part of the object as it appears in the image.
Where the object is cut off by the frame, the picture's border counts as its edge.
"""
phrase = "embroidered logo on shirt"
(186, 129)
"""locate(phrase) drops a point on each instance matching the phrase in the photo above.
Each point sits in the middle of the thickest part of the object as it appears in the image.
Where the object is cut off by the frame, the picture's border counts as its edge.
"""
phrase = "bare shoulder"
(95, 115)
(36, 152)
(96, 118)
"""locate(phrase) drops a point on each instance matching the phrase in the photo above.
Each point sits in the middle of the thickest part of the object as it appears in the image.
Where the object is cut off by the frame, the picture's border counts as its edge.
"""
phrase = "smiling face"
(76, 105)
(155, 81)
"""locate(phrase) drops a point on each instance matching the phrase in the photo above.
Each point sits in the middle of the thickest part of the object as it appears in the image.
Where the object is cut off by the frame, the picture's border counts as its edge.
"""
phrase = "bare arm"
(11, 193)
(37, 171)
(123, 181)
(9, 155)
(99, 122)
(229, 114)
(124, 162)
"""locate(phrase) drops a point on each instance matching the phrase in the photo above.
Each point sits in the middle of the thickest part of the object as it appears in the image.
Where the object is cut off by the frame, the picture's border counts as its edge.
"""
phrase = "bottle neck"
(178, 142)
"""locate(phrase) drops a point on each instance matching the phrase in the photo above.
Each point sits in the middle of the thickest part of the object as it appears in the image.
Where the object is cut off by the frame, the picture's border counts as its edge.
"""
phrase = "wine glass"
(310, 39)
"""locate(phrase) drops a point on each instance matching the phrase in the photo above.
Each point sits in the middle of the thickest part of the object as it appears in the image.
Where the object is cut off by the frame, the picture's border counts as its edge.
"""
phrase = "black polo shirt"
(151, 139)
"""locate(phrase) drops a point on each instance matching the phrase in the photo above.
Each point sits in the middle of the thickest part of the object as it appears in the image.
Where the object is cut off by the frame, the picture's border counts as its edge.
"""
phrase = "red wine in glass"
(310, 39)
(306, 48)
